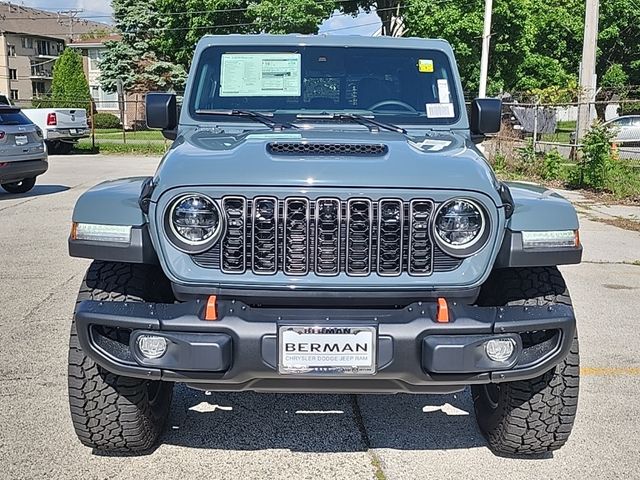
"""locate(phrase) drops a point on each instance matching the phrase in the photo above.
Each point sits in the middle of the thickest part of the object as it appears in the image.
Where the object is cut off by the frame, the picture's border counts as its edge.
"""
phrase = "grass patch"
(562, 134)
(117, 135)
(109, 148)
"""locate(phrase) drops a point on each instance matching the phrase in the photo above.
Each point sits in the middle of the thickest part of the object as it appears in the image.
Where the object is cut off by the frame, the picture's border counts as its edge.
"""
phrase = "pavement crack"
(604, 262)
(376, 462)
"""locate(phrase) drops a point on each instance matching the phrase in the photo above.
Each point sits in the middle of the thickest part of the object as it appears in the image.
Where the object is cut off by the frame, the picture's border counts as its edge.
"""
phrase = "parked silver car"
(23, 155)
(626, 129)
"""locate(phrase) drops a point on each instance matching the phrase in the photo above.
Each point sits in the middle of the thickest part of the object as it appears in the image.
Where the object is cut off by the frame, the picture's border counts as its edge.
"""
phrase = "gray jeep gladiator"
(323, 222)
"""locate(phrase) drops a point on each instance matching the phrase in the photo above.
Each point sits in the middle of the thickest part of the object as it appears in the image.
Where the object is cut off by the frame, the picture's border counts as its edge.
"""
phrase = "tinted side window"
(621, 122)
(14, 117)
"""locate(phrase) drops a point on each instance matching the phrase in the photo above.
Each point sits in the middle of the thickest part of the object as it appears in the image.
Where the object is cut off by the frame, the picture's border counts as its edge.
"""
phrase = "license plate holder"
(327, 350)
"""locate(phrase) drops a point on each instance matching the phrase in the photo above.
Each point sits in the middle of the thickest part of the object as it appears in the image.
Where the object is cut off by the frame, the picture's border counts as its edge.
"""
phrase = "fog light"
(500, 349)
(152, 346)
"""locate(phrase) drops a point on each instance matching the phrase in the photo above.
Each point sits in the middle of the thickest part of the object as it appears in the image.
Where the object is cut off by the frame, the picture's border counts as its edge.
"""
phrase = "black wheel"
(109, 412)
(64, 148)
(529, 417)
(53, 147)
(22, 186)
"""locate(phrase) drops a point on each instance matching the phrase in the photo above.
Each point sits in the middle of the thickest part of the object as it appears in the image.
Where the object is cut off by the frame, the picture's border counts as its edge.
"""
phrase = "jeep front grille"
(327, 236)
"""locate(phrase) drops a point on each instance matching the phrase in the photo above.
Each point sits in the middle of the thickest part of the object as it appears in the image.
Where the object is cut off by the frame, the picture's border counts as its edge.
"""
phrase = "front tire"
(21, 186)
(529, 417)
(112, 413)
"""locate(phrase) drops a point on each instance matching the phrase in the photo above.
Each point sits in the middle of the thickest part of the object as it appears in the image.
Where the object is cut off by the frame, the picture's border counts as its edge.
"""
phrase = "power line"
(248, 24)
(70, 15)
(188, 12)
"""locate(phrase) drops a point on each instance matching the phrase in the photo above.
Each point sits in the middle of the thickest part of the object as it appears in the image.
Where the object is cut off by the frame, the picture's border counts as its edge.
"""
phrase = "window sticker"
(425, 66)
(440, 110)
(443, 91)
(260, 75)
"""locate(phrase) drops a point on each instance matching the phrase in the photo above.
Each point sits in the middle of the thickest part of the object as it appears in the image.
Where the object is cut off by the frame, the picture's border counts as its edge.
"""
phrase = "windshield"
(394, 85)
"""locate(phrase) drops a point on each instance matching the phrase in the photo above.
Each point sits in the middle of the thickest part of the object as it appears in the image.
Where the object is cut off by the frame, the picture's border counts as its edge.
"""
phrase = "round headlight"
(459, 225)
(195, 221)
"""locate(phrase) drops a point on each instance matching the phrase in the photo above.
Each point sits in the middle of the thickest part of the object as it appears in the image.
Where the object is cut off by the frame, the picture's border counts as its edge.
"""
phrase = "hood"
(439, 160)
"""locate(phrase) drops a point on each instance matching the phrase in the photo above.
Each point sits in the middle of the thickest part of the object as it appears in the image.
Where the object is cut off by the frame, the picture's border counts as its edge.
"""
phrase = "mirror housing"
(486, 116)
(162, 112)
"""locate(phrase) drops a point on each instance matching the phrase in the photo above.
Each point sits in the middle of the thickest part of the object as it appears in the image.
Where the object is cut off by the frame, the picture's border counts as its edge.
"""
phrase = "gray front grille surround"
(327, 236)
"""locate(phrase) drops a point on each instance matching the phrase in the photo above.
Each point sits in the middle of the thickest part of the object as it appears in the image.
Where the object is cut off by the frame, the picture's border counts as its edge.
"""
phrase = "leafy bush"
(106, 120)
(527, 160)
(596, 148)
(500, 162)
(552, 165)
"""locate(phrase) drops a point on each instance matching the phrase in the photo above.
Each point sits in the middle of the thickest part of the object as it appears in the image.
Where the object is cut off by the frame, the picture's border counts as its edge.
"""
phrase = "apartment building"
(92, 50)
(30, 42)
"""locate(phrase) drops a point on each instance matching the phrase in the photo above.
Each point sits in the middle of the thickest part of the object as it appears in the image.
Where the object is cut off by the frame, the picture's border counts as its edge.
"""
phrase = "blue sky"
(363, 24)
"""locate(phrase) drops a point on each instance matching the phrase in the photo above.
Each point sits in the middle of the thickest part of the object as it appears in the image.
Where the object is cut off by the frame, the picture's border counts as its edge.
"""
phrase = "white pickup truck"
(61, 127)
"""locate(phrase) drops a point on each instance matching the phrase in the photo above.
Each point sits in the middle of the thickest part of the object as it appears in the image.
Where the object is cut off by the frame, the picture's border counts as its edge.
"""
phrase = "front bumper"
(19, 170)
(239, 351)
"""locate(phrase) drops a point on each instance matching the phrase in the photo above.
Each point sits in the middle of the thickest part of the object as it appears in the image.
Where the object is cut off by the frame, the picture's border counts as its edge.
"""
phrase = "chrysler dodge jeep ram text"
(324, 222)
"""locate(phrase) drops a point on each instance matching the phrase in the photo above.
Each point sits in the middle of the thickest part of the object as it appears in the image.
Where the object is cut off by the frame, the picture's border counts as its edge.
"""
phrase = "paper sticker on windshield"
(443, 91)
(425, 66)
(440, 110)
(260, 75)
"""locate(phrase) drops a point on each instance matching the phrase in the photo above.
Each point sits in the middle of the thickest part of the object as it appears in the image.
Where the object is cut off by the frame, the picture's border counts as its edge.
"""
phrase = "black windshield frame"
(328, 66)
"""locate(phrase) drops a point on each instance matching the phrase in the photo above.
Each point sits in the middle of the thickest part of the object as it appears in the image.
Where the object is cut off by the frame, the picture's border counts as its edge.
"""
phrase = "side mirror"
(486, 115)
(162, 112)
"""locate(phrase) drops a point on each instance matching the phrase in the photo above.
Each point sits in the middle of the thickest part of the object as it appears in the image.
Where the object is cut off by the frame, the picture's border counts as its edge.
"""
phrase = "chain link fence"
(114, 125)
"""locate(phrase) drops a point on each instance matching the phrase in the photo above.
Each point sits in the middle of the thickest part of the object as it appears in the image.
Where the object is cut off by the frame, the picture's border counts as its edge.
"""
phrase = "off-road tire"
(529, 417)
(112, 413)
(21, 186)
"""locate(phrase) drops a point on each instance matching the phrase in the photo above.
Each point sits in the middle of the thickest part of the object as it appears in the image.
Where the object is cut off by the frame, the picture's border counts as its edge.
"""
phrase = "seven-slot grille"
(327, 236)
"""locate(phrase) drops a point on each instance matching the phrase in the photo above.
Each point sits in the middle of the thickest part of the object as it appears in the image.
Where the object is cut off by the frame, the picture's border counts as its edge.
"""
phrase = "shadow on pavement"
(36, 191)
(321, 423)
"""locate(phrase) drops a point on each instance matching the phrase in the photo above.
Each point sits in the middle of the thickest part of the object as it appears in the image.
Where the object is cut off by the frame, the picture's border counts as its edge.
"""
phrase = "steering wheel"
(397, 103)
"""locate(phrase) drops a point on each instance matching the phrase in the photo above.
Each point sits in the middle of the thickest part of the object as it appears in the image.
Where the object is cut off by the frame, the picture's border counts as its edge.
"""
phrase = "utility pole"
(588, 68)
(486, 40)
(71, 15)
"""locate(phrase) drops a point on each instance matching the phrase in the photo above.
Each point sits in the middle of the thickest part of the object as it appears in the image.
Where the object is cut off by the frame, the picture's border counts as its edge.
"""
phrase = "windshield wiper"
(356, 117)
(370, 121)
(257, 116)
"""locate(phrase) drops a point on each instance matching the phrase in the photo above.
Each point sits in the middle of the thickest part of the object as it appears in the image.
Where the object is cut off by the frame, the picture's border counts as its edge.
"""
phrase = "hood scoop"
(327, 149)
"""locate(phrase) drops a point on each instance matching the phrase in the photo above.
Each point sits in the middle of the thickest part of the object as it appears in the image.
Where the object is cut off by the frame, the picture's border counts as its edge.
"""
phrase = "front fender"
(537, 208)
(114, 203)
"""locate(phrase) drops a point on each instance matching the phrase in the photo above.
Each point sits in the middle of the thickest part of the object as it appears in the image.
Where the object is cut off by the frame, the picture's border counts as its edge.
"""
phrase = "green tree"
(69, 88)
(299, 16)
(135, 59)
(179, 33)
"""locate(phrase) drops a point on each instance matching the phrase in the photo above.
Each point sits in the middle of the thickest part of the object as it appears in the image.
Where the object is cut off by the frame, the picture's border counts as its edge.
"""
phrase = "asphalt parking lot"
(292, 436)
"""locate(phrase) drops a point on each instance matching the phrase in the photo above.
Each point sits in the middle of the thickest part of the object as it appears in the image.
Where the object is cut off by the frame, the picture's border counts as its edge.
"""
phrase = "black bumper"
(16, 171)
(239, 351)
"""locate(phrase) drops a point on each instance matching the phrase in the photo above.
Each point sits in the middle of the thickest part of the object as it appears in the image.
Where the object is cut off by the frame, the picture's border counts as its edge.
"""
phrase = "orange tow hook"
(442, 315)
(211, 311)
